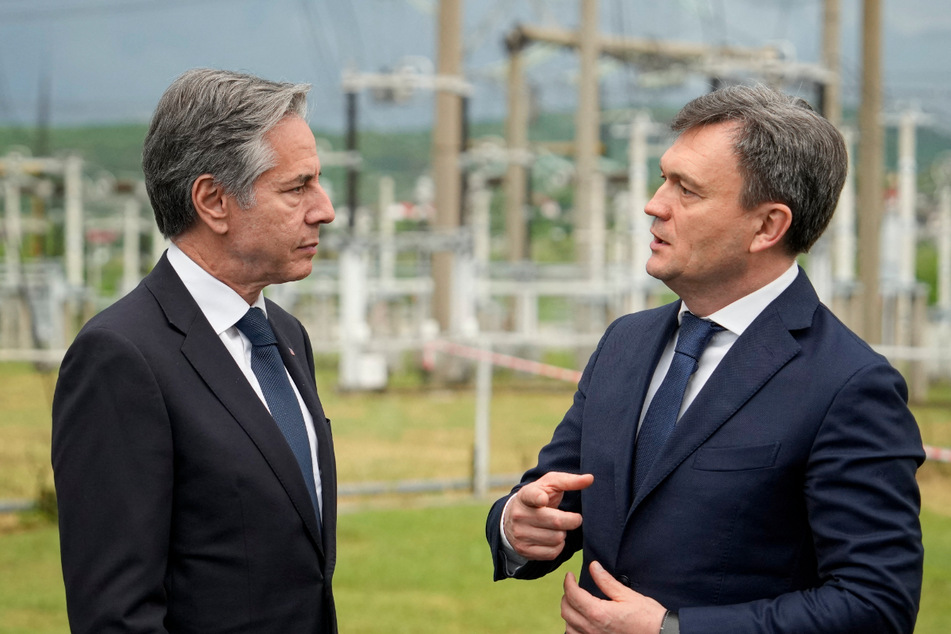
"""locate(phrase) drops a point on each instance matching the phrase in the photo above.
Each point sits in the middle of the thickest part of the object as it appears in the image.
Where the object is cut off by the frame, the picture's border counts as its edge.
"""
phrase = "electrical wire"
(324, 62)
(67, 12)
(490, 25)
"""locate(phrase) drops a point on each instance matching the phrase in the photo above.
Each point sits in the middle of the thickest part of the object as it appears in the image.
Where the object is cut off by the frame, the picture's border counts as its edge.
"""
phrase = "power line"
(620, 8)
(68, 12)
(357, 30)
(325, 60)
(6, 109)
(488, 26)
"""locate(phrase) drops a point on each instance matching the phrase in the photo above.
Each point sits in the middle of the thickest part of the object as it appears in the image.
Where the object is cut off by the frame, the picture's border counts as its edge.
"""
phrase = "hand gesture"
(533, 524)
(625, 610)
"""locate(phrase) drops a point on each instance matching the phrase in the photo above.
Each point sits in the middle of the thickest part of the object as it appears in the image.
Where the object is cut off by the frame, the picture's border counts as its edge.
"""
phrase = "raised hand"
(533, 524)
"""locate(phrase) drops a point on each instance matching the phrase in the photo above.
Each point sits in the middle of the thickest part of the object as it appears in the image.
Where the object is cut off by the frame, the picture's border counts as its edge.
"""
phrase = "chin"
(296, 273)
(655, 270)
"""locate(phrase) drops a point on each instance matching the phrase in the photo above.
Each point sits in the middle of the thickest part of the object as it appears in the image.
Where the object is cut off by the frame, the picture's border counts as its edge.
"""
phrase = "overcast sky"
(110, 60)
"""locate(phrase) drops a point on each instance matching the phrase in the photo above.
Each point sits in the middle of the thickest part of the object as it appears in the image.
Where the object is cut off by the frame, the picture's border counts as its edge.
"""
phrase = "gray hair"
(212, 122)
(787, 153)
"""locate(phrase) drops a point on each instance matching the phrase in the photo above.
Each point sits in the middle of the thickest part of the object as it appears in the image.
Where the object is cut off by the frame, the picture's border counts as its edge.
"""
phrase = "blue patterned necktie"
(664, 408)
(269, 369)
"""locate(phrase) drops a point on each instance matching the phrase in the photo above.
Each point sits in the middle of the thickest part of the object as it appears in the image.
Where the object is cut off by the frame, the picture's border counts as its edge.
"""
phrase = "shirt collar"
(738, 316)
(219, 303)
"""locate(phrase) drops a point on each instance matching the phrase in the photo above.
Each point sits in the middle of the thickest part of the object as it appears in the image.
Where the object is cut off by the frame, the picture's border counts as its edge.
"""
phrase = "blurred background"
(489, 161)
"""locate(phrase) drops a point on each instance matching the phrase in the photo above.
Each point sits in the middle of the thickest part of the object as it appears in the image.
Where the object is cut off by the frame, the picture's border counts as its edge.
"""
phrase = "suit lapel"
(764, 348)
(207, 355)
(649, 336)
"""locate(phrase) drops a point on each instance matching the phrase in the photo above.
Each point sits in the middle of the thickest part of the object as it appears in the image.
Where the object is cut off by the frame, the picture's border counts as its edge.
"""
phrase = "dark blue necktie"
(269, 369)
(662, 413)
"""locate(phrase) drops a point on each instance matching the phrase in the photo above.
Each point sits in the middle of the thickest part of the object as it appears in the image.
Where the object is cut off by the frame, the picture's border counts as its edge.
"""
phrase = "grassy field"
(407, 564)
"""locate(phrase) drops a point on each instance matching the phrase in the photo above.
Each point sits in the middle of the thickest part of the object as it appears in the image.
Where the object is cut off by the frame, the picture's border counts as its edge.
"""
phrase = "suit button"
(625, 580)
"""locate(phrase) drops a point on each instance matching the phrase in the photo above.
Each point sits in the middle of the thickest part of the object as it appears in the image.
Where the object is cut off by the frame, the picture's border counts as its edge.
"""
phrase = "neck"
(705, 301)
(219, 266)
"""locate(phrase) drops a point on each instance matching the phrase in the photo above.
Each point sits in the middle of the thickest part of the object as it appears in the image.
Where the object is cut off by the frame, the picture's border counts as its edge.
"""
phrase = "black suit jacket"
(784, 500)
(181, 506)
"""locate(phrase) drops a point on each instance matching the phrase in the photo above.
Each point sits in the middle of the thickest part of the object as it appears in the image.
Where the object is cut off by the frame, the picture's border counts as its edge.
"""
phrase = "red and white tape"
(938, 454)
(496, 358)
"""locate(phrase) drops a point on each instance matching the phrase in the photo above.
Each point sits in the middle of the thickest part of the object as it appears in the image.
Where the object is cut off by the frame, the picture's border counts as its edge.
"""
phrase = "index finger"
(557, 481)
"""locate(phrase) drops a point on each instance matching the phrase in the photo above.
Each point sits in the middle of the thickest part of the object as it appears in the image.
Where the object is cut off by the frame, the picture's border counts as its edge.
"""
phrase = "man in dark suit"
(776, 491)
(193, 462)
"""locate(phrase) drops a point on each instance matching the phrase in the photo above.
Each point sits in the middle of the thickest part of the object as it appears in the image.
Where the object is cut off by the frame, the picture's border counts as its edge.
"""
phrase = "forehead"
(711, 141)
(291, 140)
(702, 152)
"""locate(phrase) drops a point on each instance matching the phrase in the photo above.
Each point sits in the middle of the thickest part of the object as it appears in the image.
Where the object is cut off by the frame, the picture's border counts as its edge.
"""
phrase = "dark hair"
(787, 152)
(212, 122)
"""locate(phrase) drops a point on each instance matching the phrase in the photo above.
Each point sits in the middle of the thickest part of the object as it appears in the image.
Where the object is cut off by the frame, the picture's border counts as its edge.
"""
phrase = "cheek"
(724, 250)
(704, 249)
(289, 220)
(274, 226)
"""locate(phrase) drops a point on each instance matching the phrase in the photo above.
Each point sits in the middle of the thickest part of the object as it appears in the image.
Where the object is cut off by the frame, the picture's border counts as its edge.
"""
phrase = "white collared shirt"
(223, 307)
(735, 319)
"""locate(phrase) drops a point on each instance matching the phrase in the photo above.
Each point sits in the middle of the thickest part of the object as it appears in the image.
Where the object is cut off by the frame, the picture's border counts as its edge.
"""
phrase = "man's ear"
(774, 221)
(212, 203)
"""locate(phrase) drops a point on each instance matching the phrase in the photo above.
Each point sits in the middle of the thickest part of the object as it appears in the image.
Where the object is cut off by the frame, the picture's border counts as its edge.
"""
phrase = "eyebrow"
(686, 180)
(680, 177)
(300, 179)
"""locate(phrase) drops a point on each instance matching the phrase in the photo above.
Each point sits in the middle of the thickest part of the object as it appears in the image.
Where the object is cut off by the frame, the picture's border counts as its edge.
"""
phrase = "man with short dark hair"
(193, 462)
(738, 460)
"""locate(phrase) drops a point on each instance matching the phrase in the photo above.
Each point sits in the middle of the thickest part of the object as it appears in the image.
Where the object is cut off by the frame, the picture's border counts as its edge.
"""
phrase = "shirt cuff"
(513, 561)
(671, 623)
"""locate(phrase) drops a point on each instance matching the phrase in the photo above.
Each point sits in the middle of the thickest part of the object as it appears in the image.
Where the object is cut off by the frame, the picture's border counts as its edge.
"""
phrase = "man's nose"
(654, 206)
(322, 210)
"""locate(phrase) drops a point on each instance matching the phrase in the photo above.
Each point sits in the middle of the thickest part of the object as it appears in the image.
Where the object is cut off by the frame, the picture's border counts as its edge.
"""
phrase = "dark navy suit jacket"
(181, 506)
(784, 501)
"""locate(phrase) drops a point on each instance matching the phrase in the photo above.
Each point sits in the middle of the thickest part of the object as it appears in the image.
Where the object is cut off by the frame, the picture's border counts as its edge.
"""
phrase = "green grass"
(32, 599)
(399, 570)
(407, 570)
(25, 401)
(425, 570)
(935, 612)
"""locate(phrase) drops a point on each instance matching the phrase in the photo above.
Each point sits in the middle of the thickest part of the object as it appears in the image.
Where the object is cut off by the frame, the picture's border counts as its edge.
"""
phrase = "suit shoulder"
(130, 315)
(846, 341)
(837, 355)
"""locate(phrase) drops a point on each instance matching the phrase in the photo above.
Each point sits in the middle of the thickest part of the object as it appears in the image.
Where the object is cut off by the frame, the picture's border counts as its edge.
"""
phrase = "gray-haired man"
(193, 462)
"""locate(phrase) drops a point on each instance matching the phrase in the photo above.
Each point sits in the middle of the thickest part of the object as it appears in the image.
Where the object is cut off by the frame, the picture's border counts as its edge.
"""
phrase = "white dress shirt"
(735, 319)
(223, 307)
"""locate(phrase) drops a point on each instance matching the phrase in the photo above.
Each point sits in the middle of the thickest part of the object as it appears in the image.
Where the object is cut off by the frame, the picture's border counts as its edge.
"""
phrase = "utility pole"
(516, 134)
(907, 193)
(445, 154)
(831, 89)
(871, 156)
(353, 170)
(587, 121)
